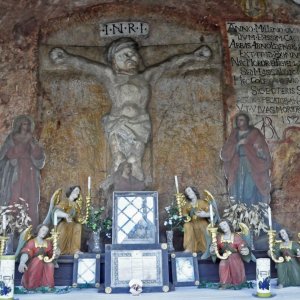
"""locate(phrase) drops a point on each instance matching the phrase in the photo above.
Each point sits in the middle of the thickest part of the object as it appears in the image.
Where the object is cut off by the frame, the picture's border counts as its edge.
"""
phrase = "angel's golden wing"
(57, 197)
(24, 237)
(208, 196)
(28, 233)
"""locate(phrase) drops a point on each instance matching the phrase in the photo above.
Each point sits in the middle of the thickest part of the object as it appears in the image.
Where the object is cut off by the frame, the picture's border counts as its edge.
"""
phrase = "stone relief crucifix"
(127, 126)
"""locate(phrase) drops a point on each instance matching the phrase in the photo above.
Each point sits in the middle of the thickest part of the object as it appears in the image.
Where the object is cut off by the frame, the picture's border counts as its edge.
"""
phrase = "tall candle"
(3, 223)
(89, 183)
(211, 215)
(55, 219)
(270, 217)
(176, 184)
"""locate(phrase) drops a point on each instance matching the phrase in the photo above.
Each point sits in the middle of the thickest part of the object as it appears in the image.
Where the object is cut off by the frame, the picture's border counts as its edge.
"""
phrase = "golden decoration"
(83, 220)
(54, 238)
(181, 201)
(213, 231)
(108, 290)
(3, 240)
(272, 241)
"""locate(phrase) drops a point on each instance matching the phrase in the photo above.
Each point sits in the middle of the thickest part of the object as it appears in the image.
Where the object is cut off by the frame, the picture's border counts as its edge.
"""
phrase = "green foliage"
(173, 219)
(96, 222)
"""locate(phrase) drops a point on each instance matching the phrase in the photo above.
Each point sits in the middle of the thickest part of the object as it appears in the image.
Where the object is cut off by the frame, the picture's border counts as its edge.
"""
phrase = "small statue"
(288, 271)
(196, 212)
(232, 248)
(34, 254)
(67, 216)
(135, 287)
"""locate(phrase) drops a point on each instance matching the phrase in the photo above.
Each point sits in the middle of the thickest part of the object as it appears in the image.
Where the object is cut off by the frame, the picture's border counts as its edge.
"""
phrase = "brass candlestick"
(180, 199)
(83, 220)
(272, 239)
(88, 205)
(54, 238)
(213, 231)
(3, 240)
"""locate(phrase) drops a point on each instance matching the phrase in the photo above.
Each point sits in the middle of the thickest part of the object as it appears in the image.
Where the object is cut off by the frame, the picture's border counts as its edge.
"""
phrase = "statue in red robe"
(37, 273)
(247, 163)
(231, 269)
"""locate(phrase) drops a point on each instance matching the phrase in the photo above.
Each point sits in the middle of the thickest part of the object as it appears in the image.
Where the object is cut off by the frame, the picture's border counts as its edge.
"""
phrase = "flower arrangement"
(17, 218)
(95, 222)
(173, 220)
(253, 216)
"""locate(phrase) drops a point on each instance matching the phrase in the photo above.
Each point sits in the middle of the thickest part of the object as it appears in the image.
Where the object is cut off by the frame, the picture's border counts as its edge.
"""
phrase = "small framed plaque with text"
(149, 263)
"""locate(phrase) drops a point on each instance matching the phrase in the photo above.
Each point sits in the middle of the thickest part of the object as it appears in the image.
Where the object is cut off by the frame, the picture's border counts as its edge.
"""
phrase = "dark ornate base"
(208, 271)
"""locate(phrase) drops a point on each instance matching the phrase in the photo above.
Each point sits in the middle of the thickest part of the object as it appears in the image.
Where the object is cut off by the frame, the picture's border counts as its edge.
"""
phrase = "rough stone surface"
(187, 136)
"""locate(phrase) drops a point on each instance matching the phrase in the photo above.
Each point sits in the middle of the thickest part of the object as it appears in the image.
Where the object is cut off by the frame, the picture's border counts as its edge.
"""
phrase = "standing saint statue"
(127, 126)
(247, 162)
(21, 159)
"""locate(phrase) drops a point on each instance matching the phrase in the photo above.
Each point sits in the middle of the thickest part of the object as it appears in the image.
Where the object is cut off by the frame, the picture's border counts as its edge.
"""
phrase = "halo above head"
(242, 113)
(18, 121)
(118, 45)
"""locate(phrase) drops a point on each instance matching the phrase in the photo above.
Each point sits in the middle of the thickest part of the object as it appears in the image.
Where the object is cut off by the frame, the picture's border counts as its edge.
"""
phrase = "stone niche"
(186, 111)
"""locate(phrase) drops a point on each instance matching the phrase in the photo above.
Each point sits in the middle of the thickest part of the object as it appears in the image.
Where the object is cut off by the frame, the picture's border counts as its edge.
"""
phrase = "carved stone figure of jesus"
(127, 126)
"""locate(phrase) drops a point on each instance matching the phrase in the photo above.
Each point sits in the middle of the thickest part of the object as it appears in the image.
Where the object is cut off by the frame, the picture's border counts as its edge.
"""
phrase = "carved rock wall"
(186, 110)
(191, 117)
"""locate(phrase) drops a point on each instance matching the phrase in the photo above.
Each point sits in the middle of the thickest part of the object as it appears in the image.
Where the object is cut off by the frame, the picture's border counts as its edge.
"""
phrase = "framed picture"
(148, 263)
(184, 269)
(86, 270)
(135, 218)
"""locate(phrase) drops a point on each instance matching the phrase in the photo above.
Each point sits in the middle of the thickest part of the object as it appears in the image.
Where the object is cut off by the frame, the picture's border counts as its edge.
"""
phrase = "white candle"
(4, 223)
(89, 183)
(176, 184)
(211, 215)
(270, 217)
(55, 219)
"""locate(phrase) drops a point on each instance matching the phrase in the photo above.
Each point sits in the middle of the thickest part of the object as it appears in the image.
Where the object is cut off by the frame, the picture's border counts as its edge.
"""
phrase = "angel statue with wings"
(232, 248)
(196, 213)
(66, 214)
(35, 252)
